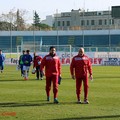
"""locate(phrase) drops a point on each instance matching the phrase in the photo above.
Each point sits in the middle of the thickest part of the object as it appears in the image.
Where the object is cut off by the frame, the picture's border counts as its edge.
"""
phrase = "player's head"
(81, 51)
(0, 51)
(52, 50)
(34, 54)
(23, 51)
(27, 51)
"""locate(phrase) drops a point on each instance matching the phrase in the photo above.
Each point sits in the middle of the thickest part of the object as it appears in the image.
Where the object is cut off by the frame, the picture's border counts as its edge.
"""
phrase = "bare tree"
(14, 20)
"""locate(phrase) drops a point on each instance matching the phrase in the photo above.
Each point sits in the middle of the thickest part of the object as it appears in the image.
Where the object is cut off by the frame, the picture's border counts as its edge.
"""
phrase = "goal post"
(63, 51)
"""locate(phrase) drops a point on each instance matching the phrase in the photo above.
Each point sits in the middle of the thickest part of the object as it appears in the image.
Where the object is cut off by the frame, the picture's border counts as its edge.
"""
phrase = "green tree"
(4, 26)
(37, 25)
(20, 24)
(36, 19)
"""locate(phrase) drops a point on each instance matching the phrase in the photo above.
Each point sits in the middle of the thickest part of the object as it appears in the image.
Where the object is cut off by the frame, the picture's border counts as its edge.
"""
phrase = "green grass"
(28, 98)
(11, 55)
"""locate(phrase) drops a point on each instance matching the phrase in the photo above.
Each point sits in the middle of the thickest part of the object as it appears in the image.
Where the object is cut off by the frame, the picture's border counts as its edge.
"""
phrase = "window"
(58, 23)
(105, 22)
(112, 22)
(82, 22)
(100, 22)
(63, 23)
(68, 23)
(92, 22)
(87, 22)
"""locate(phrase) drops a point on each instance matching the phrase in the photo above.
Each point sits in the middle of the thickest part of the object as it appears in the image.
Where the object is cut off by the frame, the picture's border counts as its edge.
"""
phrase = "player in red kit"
(36, 65)
(79, 68)
(52, 65)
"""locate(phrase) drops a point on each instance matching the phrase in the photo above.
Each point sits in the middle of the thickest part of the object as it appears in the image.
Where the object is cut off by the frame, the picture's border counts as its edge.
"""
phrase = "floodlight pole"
(57, 26)
(33, 30)
(109, 35)
(83, 25)
(11, 39)
(57, 29)
(11, 18)
(83, 30)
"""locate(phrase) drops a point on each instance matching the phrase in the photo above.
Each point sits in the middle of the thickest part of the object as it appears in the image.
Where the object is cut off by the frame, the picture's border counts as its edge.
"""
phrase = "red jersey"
(81, 65)
(52, 65)
(37, 61)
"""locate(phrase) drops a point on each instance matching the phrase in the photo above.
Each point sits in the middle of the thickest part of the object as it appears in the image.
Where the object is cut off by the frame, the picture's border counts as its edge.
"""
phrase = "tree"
(4, 26)
(13, 20)
(37, 25)
(7, 20)
(20, 24)
(36, 19)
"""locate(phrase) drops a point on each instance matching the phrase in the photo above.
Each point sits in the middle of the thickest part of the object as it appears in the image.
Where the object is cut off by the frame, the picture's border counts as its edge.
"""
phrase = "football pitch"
(26, 100)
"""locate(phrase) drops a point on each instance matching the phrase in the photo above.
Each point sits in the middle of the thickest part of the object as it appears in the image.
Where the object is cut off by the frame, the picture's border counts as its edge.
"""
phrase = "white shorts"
(26, 68)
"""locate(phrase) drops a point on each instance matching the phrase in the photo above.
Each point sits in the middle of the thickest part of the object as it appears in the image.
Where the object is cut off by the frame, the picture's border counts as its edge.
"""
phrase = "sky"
(50, 7)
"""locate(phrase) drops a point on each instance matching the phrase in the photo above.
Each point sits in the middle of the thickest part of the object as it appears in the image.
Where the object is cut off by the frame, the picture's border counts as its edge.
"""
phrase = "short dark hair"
(0, 50)
(27, 51)
(23, 51)
(52, 47)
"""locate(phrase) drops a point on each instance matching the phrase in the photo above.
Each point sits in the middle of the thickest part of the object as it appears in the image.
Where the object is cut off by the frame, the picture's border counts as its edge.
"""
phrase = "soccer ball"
(33, 71)
(39, 63)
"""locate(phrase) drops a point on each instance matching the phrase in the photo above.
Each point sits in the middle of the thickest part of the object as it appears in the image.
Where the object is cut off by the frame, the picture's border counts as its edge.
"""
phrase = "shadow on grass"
(91, 117)
(15, 104)
(106, 77)
(10, 80)
(32, 103)
(14, 80)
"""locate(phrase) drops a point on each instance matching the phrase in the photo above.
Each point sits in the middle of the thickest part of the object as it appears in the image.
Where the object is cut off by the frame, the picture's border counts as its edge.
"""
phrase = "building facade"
(86, 20)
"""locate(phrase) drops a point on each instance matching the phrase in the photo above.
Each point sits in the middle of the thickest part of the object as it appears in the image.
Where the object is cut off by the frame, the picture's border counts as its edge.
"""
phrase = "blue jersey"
(27, 59)
(2, 59)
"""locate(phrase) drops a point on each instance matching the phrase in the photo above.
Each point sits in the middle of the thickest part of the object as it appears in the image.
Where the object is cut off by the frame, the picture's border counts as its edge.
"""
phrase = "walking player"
(36, 65)
(27, 59)
(2, 59)
(79, 68)
(52, 65)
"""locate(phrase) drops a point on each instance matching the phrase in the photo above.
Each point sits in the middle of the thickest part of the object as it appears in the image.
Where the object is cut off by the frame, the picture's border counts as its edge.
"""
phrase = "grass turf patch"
(27, 99)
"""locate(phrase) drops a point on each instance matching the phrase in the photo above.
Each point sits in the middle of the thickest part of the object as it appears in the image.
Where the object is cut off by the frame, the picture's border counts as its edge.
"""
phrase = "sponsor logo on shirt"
(79, 58)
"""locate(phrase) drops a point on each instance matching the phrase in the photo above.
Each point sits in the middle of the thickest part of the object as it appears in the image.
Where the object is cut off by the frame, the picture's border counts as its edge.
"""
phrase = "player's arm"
(90, 69)
(59, 67)
(72, 69)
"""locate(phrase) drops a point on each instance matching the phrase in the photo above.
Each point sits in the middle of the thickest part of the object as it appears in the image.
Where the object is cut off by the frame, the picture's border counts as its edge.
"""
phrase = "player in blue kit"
(27, 60)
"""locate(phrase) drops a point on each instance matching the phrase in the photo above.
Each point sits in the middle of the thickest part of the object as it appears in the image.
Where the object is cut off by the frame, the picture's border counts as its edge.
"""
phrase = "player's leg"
(27, 69)
(55, 87)
(85, 82)
(37, 72)
(25, 72)
(48, 87)
(78, 88)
